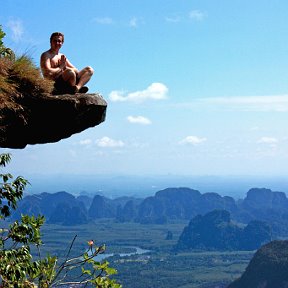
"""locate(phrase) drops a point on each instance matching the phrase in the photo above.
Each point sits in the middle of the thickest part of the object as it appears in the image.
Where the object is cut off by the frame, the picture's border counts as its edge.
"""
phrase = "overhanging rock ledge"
(48, 118)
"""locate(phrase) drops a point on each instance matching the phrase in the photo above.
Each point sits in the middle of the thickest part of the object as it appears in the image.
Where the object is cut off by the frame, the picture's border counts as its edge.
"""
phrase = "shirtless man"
(56, 66)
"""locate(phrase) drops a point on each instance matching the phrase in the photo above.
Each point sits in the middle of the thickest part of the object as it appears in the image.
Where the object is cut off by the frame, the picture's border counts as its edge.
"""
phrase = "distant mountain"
(216, 231)
(172, 203)
(69, 215)
(184, 203)
(102, 207)
(119, 208)
(128, 212)
(181, 203)
(267, 269)
(45, 203)
(260, 200)
(65, 209)
(86, 200)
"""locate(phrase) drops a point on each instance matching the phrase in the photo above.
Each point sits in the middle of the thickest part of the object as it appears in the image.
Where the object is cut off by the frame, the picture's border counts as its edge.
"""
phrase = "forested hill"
(227, 235)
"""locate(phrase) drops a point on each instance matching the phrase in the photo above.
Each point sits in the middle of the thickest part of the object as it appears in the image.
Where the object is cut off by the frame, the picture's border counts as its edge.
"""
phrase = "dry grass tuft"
(20, 77)
(6, 86)
(28, 77)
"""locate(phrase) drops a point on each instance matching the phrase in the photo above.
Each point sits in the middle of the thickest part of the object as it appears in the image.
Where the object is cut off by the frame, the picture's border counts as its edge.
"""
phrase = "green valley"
(161, 267)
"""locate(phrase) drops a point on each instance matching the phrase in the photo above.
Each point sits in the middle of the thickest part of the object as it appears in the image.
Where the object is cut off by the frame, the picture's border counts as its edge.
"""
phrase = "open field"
(114, 235)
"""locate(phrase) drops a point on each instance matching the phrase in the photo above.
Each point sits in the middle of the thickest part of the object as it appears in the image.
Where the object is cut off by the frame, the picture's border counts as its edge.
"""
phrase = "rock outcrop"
(267, 269)
(46, 118)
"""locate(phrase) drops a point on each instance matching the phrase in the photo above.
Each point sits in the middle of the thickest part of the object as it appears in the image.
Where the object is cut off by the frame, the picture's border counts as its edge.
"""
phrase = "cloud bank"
(276, 103)
(268, 140)
(193, 140)
(139, 120)
(156, 91)
(17, 29)
(106, 142)
(197, 15)
(103, 20)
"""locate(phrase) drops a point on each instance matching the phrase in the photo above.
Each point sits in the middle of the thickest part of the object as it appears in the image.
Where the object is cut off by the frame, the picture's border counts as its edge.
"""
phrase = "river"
(137, 251)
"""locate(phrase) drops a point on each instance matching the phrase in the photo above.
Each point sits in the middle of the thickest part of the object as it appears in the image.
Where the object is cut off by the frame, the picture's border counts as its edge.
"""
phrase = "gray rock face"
(48, 118)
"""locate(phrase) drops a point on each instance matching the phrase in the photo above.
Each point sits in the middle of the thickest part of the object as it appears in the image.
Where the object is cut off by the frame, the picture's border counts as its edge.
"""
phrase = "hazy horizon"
(113, 186)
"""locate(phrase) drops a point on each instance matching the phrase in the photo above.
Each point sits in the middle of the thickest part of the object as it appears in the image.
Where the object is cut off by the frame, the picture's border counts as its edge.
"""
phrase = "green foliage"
(18, 267)
(10, 191)
(16, 263)
(5, 52)
(2, 35)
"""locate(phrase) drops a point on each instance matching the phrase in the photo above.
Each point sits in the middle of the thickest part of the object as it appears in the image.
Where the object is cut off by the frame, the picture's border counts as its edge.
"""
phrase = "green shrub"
(18, 267)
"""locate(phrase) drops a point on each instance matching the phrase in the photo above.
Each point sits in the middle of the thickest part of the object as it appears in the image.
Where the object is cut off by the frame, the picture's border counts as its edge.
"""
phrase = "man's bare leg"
(69, 76)
(84, 76)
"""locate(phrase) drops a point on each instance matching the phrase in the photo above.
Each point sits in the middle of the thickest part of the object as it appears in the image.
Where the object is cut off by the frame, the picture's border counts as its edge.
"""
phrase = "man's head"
(57, 36)
(56, 41)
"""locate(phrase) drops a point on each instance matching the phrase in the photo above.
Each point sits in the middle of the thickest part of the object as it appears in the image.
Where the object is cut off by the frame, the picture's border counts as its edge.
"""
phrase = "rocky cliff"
(30, 114)
(46, 118)
(267, 269)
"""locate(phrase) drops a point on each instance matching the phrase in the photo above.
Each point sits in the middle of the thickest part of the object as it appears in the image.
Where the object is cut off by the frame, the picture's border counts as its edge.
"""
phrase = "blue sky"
(193, 87)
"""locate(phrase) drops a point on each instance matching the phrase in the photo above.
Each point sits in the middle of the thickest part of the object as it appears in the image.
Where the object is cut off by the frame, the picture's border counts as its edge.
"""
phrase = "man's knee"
(68, 74)
(89, 70)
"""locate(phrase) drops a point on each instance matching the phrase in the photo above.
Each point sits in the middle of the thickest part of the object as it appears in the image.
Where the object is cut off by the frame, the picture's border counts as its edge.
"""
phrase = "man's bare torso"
(49, 58)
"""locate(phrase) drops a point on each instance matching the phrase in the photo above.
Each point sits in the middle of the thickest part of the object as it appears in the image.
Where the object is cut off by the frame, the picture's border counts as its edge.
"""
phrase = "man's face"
(56, 42)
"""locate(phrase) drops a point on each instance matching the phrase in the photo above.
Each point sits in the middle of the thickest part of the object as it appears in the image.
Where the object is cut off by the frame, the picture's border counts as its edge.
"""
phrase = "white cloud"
(268, 148)
(139, 120)
(85, 142)
(133, 22)
(255, 103)
(197, 15)
(268, 140)
(252, 99)
(156, 91)
(276, 103)
(17, 29)
(194, 140)
(72, 153)
(103, 20)
(255, 128)
(174, 19)
(108, 142)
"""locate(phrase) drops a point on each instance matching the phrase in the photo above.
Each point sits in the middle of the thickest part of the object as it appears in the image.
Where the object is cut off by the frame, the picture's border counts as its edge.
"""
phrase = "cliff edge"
(45, 118)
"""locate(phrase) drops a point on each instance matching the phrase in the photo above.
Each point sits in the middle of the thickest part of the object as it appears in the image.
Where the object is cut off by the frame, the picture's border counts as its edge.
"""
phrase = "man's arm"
(70, 65)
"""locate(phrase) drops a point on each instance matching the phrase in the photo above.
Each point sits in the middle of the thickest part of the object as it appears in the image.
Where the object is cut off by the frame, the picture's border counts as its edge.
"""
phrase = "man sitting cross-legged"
(56, 66)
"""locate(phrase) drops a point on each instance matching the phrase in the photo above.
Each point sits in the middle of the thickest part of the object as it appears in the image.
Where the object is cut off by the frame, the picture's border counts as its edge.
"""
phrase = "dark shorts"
(61, 86)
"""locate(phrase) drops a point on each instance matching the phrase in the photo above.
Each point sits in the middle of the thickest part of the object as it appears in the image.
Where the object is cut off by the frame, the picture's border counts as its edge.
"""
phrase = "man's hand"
(62, 63)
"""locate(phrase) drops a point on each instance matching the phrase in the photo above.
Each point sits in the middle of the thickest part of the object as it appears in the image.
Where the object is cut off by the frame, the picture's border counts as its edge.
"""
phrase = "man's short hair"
(57, 34)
